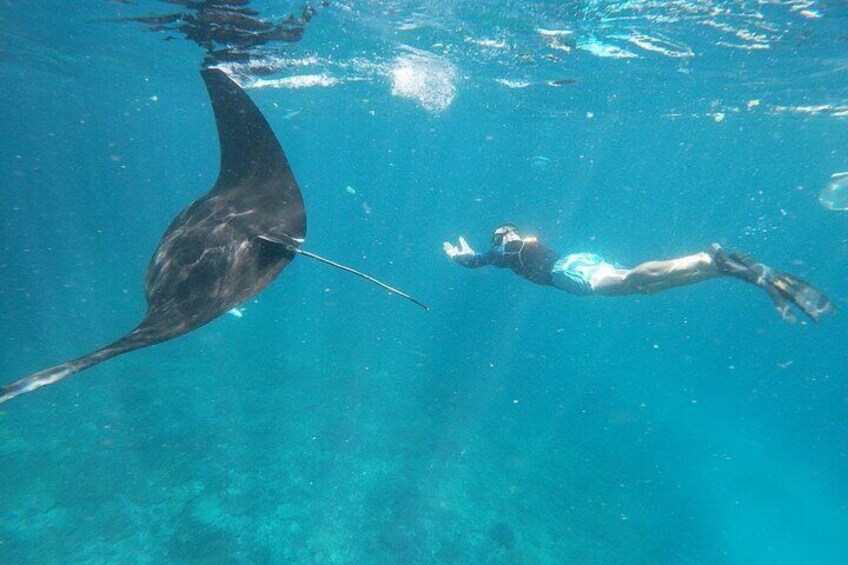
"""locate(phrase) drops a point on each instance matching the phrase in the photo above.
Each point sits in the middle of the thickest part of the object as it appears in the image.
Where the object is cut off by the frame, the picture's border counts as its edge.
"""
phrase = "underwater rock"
(502, 535)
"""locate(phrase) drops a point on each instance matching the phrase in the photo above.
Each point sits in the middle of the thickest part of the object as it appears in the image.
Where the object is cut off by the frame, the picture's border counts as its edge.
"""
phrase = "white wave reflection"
(719, 112)
(659, 45)
(738, 24)
(489, 43)
(836, 111)
(554, 32)
(513, 83)
(598, 48)
(297, 81)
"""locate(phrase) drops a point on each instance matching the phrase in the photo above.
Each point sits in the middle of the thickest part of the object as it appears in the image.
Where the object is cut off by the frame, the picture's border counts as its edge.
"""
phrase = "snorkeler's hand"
(454, 251)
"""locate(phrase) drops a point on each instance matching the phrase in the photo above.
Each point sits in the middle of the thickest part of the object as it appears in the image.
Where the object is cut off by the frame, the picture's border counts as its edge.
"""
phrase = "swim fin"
(782, 287)
(809, 299)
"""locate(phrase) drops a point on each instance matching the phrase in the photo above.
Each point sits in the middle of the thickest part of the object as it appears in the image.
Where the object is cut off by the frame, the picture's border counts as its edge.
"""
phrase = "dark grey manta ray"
(223, 248)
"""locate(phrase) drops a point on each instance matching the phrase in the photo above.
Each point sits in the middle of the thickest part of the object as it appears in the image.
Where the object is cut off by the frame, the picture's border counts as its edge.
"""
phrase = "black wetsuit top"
(529, 259)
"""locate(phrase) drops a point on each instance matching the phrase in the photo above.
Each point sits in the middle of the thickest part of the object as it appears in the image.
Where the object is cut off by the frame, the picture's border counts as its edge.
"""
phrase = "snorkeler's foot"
(737, 265)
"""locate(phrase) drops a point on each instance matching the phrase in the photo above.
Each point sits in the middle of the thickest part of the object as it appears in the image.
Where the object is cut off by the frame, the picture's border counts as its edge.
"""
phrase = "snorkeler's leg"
(654, 276)
(782, 287)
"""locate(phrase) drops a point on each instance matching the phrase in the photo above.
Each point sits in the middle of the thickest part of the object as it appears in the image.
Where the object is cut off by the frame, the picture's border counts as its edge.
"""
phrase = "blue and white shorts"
(573, 273)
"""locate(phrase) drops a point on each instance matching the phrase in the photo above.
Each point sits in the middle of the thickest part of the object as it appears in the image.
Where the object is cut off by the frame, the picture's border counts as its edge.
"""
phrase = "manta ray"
(224, 247)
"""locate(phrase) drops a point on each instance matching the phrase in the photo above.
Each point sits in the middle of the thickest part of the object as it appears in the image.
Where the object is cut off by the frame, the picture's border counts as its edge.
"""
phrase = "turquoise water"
(512, 423)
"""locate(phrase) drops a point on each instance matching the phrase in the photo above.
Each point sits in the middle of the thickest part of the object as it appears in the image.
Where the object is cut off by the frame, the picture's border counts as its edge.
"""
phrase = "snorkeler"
(585, 274)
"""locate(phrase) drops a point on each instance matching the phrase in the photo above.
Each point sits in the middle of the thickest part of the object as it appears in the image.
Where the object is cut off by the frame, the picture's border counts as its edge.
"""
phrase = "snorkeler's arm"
(464, 255)
(474, 260)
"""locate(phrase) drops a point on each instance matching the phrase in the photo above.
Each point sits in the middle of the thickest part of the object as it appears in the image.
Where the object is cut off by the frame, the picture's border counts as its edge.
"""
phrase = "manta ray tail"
(59, 372)
(292, 245)
(379, 283)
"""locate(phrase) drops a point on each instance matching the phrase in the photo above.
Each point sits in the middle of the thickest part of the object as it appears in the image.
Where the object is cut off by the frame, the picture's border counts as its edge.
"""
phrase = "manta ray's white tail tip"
(33, 382)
